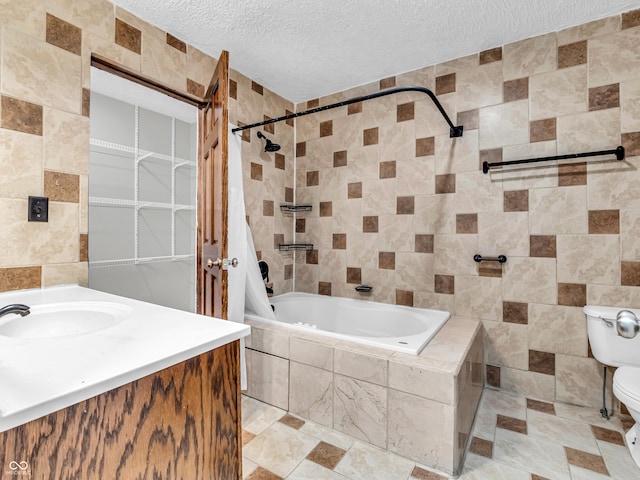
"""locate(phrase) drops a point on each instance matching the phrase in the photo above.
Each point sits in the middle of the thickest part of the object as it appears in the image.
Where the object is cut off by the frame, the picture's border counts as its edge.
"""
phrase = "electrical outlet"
(38, 209)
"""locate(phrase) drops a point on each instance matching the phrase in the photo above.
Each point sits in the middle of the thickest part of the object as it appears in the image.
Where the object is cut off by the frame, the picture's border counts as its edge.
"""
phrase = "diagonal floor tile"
(258, 416)
(364, 462)
(312, 471)
(326, 455)
(493, 403)
(570, 433)
(607, 435)
(481, 468)
(586, 460)
(279, 448)
(619, 462)
(328, 435)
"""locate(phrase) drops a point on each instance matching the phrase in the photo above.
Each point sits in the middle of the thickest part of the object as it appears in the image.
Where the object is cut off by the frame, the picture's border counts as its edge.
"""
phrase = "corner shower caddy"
(139, 156)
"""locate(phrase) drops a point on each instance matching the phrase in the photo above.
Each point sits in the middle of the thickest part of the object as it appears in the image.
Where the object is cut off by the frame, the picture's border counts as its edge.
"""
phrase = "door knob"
(214, 263)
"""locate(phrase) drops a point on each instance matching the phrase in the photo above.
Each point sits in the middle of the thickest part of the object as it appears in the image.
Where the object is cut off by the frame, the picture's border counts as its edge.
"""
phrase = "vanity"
(97, 386)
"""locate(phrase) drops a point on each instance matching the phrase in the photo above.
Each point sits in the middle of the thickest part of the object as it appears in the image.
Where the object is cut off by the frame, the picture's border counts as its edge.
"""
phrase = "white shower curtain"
(245, 281)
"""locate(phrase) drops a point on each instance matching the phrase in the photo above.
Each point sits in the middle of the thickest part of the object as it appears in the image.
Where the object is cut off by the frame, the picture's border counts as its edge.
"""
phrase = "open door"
(212, 195)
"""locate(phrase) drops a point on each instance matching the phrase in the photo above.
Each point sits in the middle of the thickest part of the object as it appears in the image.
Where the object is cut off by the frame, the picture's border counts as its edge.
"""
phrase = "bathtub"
(394, 327)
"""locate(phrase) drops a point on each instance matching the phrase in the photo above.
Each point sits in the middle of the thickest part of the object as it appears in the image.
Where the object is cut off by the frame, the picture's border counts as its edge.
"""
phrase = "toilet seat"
(626, 386)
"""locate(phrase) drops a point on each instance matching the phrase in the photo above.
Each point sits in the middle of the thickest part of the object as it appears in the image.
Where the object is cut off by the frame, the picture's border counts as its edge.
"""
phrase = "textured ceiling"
(304, 49)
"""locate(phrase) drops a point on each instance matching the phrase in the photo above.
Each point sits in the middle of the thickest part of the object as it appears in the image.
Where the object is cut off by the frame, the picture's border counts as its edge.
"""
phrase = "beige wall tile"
(20, 164)
(72, 131)
(424, 378)
(311, 393)
(429, 121)
(557, 329)
(574, 380)
(469, 198)
(454, 155)
(261, 370)
(505, 124)
(528, 384)
(531, 280)
(200, 66)
(416, 175)
(28, 64)
(270, 342)
(395, 233)
(363, 363)
(613, 296)
(585, 132)
(528, 176)
(457, 65)
(65, 274)
(589, 30)
(311, 352)
(414, 272)
(614, 58)
(470, 304)
(601, 266)
(27, 16)
(424, 77)
(422, 429)
(108, 49)
(629, 234)
(506, 344)
(558, 93)
(630, 106)
(164, 62)
(95, 16)
(503, 233)
(555, 211)
(529, 57)
(479, 86)
(453, 254)
(434, 214)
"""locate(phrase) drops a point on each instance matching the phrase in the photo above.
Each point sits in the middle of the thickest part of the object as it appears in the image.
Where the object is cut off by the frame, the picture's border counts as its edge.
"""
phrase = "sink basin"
(64, 319)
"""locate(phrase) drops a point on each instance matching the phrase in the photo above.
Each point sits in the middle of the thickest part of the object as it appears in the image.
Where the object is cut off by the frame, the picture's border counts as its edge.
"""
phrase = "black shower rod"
(455, 131)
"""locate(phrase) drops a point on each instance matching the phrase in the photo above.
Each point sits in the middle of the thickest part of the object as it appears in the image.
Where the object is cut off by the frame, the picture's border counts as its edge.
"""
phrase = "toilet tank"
(607, 346)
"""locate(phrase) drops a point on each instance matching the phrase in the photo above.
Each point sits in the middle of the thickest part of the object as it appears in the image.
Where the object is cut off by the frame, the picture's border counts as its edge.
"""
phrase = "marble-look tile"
(558, 211)
(558, 93)
(470, 199)
(65, 274)
(605, 68)
(586, 460)
(271, 342)
(479, 86)
(200, 66)
(611, 185)
(393, 235)
(529, 384)
(453, 252)
(429, 119)
(414, 272)
(591, 131)
(62, 187)
(258, 416)
(618, 461)
(360, 410)
(326, 455)
(531, 280)
(261, 370)
(327, 435)
(541, 456)
(433, 213)
(558, 329)
(308, 470)
(572, 54)
(630, 106)
(570, 433)
(21, 116)
(27, 16)
(470, 304)
(311, 393)
(366, 462)
(629, 231)
(29, 63)
(507, 233)
(505, 124)
(587, 415)
(19, 278)
(64, 34)
(421, 429)
(421, 379)
(455, 155)
(542, 175)
(314, 352)
(613, 295)
(506, 344)
(21, 164)
(66, 142)
(95, 16)
(576, 267)
(279, 449)
(575, 378)
(93, 44)
(589, 30)
(477, 467)
(529, 57)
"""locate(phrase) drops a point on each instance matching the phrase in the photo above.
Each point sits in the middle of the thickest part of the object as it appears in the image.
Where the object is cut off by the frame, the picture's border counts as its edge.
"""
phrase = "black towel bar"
(618, 152)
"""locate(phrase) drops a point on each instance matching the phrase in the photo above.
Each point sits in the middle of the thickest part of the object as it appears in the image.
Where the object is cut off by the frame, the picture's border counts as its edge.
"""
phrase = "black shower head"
(270, 146)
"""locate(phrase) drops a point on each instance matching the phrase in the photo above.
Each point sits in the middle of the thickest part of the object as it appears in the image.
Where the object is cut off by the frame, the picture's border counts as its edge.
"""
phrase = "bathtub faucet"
(18, 308)
(364, 288)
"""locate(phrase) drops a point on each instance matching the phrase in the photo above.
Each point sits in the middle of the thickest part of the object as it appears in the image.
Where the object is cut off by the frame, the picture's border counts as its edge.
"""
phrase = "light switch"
(38, 209)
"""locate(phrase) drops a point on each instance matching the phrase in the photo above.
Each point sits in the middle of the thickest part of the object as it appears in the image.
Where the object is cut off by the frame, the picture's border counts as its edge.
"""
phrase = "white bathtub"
(403, 329)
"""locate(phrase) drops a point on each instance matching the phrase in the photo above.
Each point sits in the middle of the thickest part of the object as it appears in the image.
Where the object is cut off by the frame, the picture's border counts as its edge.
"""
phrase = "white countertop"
(39, 376)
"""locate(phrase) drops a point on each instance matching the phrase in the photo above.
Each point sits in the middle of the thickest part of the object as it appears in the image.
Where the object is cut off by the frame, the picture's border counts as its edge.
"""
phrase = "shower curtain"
(246, 288)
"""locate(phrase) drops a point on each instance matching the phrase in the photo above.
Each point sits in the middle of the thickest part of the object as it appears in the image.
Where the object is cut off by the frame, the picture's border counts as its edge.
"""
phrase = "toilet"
(610, 348)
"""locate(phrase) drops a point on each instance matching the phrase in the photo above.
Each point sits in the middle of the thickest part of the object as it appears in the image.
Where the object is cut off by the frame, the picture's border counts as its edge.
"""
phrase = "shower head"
(270, 146)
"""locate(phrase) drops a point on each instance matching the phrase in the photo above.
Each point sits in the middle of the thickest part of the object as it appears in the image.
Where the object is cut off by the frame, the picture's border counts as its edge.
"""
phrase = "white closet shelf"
(142, 154)
(118, 202)
(141, 260)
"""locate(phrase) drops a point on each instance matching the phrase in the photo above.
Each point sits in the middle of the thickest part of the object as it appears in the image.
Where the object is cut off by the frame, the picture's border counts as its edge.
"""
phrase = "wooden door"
(212, 194)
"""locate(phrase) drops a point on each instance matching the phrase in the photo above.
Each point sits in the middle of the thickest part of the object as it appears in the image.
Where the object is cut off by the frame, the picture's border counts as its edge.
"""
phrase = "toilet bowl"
(605, 325)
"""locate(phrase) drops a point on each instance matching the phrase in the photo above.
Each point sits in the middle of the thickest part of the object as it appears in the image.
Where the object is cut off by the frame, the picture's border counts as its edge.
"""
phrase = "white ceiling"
(304, 49)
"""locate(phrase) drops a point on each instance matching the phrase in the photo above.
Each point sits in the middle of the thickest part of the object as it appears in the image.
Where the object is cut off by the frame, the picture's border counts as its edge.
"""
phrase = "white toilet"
(610, 348)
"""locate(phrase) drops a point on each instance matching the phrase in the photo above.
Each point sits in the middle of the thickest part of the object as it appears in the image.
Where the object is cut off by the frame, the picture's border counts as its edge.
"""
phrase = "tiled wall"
(399, 205)
(45, 54)
(268, 176)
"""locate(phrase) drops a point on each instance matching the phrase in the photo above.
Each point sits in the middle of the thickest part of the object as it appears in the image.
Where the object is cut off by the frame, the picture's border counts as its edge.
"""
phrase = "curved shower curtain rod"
(455, 131)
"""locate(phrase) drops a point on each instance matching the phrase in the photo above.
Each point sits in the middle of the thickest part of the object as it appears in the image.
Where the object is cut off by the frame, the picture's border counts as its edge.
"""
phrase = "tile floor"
(513, 438)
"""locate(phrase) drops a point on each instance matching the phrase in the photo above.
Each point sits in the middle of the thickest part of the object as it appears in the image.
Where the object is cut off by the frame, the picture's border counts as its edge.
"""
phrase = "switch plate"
(38, 209)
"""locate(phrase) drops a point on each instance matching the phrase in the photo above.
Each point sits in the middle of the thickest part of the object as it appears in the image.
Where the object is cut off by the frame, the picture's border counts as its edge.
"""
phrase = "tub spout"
(364, 288)
(18, 308)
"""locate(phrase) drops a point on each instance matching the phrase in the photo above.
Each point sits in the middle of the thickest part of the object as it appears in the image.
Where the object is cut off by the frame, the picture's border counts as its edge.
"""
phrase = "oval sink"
(65, 319)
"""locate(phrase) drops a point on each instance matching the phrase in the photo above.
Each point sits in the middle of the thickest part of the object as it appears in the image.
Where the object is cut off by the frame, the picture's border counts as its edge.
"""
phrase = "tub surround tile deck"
(527, 440)
(372, 394)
